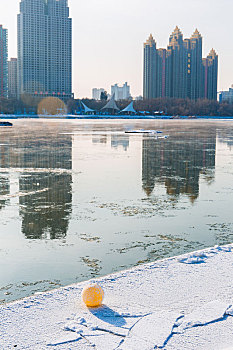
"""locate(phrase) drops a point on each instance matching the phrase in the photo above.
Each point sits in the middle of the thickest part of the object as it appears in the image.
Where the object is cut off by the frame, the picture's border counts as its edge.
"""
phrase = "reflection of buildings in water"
(225, 136)
(4, 190)
(178, 163)
(120, 140)
(41, 152)
(4, 179)
(46, 209)
(99, 139)
(4, 154)
(54, 153)
(45, 214)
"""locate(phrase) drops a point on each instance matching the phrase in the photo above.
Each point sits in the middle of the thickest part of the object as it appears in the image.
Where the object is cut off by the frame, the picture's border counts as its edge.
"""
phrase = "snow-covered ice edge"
(182, 302)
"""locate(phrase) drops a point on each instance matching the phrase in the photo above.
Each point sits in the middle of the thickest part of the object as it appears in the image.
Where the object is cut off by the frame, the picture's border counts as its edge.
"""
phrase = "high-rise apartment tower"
(96, 93)
(12, 78)
(150, 78)
(210, 76)
(179, 71)
(121, 92)
(3, 62)
(45, 48)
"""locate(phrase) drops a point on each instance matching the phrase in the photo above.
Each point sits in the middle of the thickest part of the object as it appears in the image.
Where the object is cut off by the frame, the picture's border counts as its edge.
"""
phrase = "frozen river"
(80, 199)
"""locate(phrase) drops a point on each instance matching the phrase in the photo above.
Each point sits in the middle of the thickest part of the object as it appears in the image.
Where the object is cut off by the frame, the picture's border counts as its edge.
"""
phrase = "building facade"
(3, 62)
(179, 71)
(210, 76)
(96, 93)
(151, 72)
(12, 78)
(121, 92)
(226, 96)
(45, 49)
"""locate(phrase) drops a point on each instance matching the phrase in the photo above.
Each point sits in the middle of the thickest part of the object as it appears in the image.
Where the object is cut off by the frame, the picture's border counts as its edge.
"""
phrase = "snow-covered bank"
(179, 303)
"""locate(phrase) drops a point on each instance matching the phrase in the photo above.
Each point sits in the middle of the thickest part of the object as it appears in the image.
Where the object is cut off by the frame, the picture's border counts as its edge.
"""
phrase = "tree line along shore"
(169, 106)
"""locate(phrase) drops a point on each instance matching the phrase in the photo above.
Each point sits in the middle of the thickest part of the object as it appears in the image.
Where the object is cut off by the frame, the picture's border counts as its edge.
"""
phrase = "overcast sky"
(108, 36)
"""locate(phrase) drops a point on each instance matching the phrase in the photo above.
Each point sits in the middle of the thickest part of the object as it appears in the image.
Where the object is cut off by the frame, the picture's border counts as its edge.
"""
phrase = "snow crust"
(208, 313)
(179, 303)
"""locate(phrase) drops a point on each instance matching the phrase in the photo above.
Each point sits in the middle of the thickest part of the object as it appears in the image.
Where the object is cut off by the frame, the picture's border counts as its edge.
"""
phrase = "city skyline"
(122, 56)
(179, 71)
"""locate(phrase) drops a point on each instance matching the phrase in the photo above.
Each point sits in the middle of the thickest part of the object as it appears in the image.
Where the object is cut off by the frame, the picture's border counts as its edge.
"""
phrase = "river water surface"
(81, 199)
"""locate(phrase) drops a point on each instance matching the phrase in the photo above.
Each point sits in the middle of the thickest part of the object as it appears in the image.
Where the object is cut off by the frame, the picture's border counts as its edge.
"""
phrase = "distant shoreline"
(111, 117)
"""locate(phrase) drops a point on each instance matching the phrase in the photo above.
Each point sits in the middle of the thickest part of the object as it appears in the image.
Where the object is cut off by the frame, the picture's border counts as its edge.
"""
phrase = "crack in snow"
(88, 341)
(171, 334)
(229, 311)
(122, 341)
(202, 317)
(64, 341)
(208, 313)
(152, 330)
(103, 321)
(108, 331)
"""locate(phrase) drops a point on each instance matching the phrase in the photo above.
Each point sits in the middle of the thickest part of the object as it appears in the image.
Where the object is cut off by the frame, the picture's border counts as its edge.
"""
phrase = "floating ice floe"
(142, 131)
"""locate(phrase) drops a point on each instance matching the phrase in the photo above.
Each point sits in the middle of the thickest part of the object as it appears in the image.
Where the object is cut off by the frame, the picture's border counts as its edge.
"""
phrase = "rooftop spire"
(176, 37)
(213, 53)
(177, 30)
(150, 41)
(196, 34)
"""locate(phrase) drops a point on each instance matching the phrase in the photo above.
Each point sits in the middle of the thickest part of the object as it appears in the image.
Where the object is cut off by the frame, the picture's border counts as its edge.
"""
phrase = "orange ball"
(93, 295)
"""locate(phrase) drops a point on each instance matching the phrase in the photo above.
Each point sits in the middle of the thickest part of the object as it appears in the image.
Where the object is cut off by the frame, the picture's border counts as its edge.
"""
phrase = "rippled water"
(80, 199)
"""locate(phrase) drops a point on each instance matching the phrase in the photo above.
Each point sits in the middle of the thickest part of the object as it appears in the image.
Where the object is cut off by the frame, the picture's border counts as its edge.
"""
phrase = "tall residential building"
(12, 78)
(179, 71)
(3, 62)
(195, 63)
(45, 49)
(176, 63)
(210, 76)
(150, 78)
(121, 92)
(96, 93)
(226, 96)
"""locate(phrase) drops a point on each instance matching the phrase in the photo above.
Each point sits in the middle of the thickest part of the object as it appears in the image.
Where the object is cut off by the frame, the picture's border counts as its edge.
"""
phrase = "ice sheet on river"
(177, 303)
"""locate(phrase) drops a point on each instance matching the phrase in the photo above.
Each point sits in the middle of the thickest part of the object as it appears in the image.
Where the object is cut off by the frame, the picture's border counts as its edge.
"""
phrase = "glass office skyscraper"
(45, 48)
